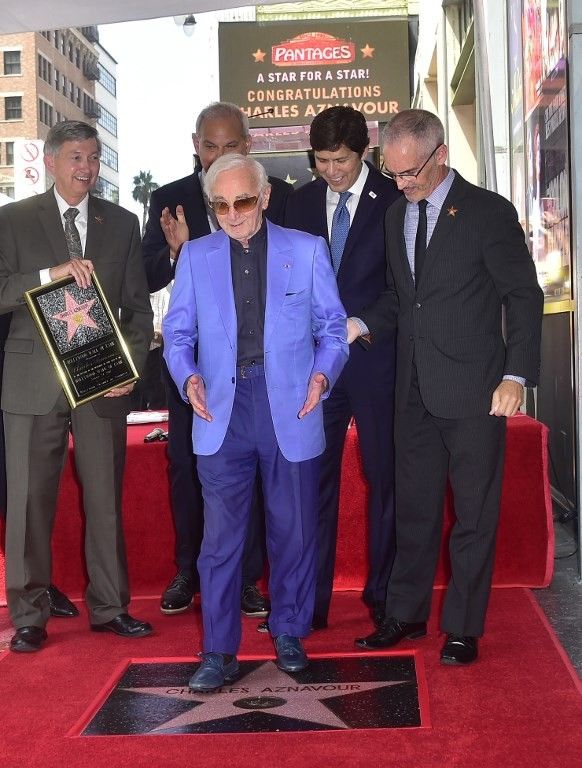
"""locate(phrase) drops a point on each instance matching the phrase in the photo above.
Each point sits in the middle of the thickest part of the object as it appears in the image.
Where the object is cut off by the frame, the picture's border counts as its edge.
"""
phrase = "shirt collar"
(82, 207)
(438, 196)
(357, 187)
(257, 241)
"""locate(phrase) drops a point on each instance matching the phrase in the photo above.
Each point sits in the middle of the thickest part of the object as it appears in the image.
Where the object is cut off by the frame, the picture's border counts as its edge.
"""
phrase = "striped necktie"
(72, 234)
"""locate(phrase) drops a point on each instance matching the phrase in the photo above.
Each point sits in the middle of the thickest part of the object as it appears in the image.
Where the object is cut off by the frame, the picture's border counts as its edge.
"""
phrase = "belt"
(250, 370)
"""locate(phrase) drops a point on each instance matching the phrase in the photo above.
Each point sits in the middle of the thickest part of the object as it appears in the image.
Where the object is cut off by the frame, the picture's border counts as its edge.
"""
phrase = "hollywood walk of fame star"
(452, 211)
(265, 689)
(367, 51)
(259, 56)
(75, 315)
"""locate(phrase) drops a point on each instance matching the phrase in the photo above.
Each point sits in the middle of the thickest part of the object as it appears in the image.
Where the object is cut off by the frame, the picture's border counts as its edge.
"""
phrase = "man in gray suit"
(65, 232)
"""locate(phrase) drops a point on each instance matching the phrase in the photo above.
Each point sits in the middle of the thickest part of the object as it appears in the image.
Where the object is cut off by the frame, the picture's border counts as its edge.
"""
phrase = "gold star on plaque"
(259, 56)
(452, 211)
(289, 180)
(367, 51)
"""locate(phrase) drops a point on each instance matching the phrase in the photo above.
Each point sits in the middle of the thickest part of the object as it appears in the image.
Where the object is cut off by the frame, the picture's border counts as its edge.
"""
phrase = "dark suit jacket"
(32, 238)
(362, 273)
(476, 261)
(187, 192)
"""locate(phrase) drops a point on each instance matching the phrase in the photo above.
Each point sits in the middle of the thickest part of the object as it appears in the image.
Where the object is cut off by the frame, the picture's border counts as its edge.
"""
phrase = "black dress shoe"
(125, 626)
(390, 633)
(459, 650)
(179, 593)
(60, 605)
(28, 639)
(252, 603)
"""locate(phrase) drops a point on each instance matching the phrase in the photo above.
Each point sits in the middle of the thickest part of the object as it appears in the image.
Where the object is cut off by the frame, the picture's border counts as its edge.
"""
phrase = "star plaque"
(81, 337)
(337, 694)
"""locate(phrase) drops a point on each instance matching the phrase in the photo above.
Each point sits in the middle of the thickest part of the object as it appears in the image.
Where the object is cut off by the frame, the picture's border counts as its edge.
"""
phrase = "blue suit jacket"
(305, 333)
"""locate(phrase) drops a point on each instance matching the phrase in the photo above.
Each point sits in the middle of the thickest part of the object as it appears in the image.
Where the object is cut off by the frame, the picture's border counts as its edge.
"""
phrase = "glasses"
(244, 205)
(408, 175)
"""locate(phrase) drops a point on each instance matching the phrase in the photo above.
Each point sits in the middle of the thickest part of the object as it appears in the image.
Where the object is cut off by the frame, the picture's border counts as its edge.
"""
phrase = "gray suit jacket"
(32, 238)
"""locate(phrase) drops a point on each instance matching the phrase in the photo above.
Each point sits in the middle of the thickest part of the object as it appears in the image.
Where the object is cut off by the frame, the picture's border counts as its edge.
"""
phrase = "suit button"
(411, 338)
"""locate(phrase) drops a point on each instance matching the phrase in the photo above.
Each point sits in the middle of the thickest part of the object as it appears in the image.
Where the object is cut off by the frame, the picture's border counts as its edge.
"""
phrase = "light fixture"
(187, 23)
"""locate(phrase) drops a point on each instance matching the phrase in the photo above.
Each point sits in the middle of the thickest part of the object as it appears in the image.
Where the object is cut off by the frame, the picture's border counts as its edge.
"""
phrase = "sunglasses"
(244, 205)
(408, 175)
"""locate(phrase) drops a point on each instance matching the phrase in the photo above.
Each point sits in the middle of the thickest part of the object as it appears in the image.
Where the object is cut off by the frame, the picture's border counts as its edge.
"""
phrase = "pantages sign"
(286, 73)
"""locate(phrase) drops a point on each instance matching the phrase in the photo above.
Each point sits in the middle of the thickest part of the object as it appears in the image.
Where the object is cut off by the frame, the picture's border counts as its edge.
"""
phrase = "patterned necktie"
(72, 234)
(340, 226)
(420, 241)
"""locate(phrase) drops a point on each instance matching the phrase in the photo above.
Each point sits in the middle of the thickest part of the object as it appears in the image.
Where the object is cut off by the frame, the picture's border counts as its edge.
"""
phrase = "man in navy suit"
(365, 389)
(221, 128)
(255, 338)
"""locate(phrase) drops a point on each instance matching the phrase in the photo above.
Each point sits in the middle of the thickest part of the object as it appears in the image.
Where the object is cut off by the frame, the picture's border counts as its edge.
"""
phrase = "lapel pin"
(99, 219)
(373, 195)
(286, 266)
(452, 211)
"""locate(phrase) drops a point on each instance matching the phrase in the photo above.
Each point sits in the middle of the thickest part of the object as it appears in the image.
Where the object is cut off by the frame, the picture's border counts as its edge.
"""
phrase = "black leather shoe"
(125, 626)
(179, 593)
(28, 639)
(60, 605)
(390, 633)
(459, 650)
(378, 614)
(252, 603)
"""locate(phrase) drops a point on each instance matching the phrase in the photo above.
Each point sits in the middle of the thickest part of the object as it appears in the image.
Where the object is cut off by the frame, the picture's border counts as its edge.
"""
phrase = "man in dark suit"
(65, 232)
(221, 128)
(365, 389)
(457, 256)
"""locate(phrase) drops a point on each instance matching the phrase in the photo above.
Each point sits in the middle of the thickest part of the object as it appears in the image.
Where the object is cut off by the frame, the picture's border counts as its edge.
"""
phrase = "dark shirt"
(249, 281)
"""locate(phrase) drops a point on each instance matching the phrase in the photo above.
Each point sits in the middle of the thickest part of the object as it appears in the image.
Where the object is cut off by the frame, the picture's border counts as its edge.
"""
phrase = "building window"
(56, 39)
(45, 112)
(107, 80)
(108, 121)
(9, 152)
(8, 190)
(72, 92)
(64, 85)
(12, 63)
(78, 97)
(45, 69)
(71, 52)
(109, 156)
(107, 190)
(13, 107)
(78, 58)
(57, 79)
(63, 45)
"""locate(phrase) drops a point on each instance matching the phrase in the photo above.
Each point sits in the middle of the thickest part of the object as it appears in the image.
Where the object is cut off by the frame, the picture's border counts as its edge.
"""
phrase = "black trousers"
(186, 494)
(469, 452)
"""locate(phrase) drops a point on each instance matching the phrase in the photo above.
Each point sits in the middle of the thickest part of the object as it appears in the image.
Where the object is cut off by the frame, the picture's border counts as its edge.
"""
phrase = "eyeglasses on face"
(408, 175)
(244, 205)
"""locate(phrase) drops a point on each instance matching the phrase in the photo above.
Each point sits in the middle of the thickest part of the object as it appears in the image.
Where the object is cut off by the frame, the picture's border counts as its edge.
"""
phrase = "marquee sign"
(286, 73)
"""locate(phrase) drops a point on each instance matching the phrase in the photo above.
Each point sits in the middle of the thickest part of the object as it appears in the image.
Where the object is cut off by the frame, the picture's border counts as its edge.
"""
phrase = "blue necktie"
(340, 226)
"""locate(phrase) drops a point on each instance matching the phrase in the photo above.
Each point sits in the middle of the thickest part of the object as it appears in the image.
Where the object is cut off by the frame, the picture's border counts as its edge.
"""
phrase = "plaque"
(82, 338)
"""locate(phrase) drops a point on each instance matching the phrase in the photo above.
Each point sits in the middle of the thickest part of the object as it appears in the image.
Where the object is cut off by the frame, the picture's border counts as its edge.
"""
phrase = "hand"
(353, 330)
(318, 384)
(507, 398)
(120, 391)
(196, 392)
(80, 269)
(175, 230)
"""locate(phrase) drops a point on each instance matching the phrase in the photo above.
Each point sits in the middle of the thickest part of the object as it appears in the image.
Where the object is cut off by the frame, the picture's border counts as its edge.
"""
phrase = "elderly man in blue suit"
(262, 305)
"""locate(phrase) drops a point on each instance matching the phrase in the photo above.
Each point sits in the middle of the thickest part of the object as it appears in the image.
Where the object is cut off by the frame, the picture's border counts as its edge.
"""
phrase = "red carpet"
(525, 540)
(519, 705)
